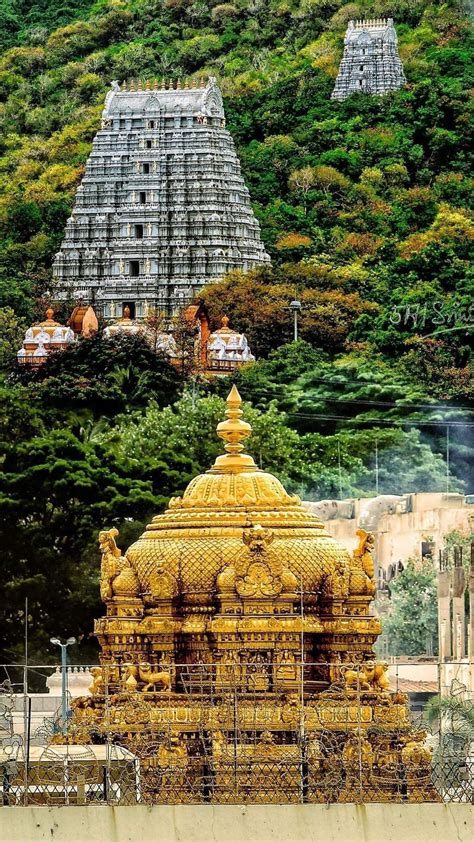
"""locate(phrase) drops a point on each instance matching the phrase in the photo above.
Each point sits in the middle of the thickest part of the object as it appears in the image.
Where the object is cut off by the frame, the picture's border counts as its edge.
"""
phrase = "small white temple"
(42, 338)
(160, 341)
(227, 349)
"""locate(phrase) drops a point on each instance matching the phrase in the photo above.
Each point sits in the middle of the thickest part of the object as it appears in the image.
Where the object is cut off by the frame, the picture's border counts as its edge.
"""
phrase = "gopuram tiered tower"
(237, 660)
(162, 208)
(370, 63)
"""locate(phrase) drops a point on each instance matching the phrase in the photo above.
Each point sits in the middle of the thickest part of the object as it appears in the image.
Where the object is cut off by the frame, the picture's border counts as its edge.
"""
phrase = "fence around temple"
(231, 753)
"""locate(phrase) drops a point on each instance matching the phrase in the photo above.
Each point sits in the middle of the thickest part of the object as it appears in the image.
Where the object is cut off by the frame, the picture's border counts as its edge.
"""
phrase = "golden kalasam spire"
(234, 431)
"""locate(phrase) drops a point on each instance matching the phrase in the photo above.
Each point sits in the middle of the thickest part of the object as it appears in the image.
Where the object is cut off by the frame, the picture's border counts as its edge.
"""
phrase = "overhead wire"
(362, 383)
(369, 402)
(396, 421)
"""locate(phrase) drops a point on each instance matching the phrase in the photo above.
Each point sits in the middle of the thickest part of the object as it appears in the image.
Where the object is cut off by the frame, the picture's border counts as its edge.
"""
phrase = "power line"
(401, 422)
(328, 399)
(348, 381)
(431, 406)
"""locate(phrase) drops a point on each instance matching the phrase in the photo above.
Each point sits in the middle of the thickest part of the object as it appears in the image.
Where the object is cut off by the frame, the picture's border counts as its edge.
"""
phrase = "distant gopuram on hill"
(370, 63)
(162, 209)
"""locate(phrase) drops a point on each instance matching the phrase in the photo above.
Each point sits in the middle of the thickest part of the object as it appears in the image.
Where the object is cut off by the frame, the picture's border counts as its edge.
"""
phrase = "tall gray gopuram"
(162, 209)
(370, 64)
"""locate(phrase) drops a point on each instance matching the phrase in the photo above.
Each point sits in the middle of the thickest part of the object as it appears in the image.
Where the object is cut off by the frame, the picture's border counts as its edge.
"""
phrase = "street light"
(69, 642)
(295, 305)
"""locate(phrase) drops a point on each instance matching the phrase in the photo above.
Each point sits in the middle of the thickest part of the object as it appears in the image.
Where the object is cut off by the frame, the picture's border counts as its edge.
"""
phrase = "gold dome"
(204, 530)
(235, 626)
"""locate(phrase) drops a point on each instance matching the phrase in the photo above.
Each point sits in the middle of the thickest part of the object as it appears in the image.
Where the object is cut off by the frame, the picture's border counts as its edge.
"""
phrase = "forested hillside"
(364, 208)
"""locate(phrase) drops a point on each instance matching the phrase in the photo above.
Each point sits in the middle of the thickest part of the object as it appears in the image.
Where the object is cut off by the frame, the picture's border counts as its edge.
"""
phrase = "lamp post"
(69, 642)
(295, 305)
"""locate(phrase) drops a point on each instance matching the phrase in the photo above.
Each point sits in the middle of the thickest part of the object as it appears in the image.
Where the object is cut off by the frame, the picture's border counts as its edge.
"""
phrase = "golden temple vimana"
(237, 652)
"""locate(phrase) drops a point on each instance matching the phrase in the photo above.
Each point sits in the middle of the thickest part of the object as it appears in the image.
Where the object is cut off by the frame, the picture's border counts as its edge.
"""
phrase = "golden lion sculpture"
(370, 676)
(151, 679)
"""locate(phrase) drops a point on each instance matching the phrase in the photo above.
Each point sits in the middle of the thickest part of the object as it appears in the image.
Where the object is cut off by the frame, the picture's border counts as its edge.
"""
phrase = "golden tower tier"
(237, 654)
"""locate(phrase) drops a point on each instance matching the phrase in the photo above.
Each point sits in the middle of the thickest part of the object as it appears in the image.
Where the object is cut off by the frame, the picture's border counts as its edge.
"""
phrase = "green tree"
(411, 625)
(12, 331)
(56, 493)
(103, 376)
(189, 426)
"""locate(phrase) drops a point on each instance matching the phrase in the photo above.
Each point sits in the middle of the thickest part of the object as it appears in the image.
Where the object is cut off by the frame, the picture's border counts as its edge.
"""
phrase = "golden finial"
(49, 313)
(155, 85)
(233, 431)
(147, 85)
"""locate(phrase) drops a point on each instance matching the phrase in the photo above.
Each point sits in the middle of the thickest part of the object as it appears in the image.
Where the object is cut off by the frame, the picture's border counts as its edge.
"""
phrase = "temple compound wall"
(162, 208)
(370, 63)
(257, 823)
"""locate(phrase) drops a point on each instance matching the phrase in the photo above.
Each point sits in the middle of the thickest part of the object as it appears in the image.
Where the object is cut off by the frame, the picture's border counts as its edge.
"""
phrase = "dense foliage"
(364, 208)
(411, 625)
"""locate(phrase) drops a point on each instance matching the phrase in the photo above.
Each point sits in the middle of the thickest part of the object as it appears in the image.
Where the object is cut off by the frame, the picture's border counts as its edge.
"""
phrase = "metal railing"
(236, 733)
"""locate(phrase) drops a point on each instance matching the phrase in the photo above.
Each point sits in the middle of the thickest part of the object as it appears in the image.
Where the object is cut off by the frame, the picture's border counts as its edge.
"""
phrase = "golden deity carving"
(258, 574)
(97, 685)
(117, 577)
(363, 571)
(238, 639)
(163, 584)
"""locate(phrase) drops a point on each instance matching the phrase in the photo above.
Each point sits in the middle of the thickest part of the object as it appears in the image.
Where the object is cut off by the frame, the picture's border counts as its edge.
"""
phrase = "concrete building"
(370, 63)
(406, 526)
(162, 208)
(415, 526)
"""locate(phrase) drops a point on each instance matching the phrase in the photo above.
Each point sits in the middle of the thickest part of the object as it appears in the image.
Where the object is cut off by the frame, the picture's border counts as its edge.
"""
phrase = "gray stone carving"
(162, 208)
(370, 64)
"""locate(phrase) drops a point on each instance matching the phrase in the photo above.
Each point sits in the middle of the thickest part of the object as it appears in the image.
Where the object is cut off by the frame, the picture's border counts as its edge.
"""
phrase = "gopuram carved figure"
(153, 678)
(238, 649)
(369, 676)
(286, 669)
(257, 670)
(163, 584)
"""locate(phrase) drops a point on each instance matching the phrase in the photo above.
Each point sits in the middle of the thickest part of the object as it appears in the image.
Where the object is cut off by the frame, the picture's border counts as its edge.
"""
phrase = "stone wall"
(305, 823)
